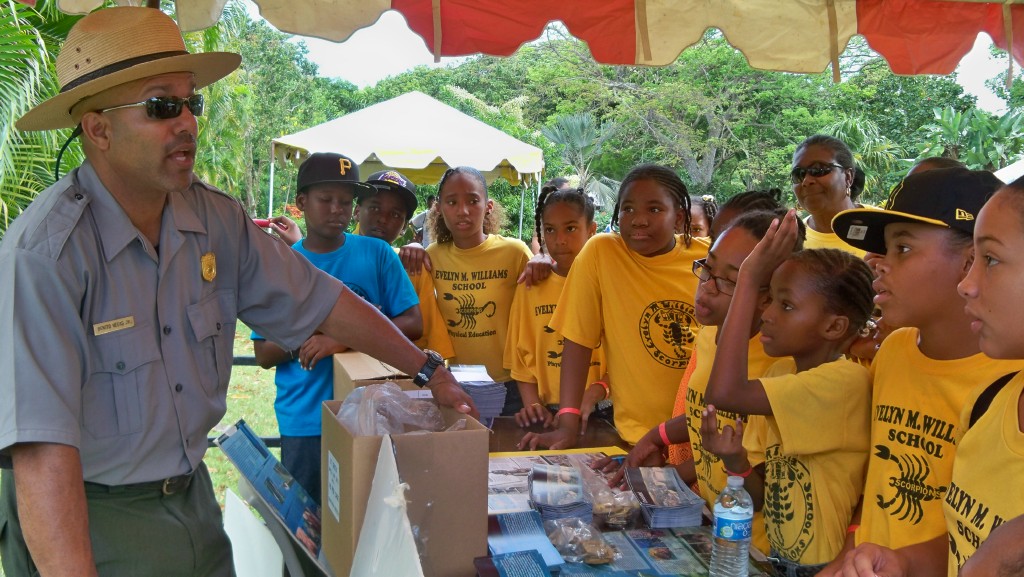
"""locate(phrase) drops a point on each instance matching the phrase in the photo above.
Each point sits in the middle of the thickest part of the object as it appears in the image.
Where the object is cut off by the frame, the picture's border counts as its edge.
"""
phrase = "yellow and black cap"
(946, 197)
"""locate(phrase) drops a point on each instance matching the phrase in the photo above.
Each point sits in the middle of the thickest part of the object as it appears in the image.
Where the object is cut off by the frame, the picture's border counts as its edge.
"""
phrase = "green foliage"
(723, 125)
(976, 138)
(30, 38)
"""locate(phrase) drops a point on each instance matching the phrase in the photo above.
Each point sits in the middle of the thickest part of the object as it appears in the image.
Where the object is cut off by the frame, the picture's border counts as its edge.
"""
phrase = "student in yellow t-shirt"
(924, 373)
(474, 271)
(984, 504)
(813, 408)
(635, 290)
(533, 350)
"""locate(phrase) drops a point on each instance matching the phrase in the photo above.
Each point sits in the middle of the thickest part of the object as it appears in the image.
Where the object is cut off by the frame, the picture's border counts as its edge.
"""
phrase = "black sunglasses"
(166, 107)
(817, 171)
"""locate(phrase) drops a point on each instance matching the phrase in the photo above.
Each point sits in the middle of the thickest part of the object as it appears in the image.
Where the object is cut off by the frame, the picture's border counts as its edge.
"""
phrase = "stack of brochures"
(487, 395)
(665, 500)
(557, 493)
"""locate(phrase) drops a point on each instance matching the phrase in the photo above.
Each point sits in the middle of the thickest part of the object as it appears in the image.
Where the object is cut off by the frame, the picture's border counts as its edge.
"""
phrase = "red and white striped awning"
(914, 36)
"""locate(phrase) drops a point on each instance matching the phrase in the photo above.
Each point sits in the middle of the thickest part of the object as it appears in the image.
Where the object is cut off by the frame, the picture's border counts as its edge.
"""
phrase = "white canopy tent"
(419, 136)
(1012, 172)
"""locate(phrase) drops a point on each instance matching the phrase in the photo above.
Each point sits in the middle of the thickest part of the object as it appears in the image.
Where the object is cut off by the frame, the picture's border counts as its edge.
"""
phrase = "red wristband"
(569, 410)
(607, 391)
(744, 474)
(852, 528)
(664, 434)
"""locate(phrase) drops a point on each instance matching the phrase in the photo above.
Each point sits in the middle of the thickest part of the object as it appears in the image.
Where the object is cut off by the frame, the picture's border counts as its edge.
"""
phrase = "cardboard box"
(447, 498)
(354, 369)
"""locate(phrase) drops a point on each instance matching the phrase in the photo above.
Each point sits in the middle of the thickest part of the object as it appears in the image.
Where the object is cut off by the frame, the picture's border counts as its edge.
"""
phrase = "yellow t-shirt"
(915, 415)
(642, 309)
(711, 474)
(435, 335)
(474, 293)
(533, 350)
(816, 450)
(817, 239)
(987, 473)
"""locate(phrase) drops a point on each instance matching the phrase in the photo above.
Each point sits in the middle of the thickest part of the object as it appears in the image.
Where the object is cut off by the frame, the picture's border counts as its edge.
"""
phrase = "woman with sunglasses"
(825, 182)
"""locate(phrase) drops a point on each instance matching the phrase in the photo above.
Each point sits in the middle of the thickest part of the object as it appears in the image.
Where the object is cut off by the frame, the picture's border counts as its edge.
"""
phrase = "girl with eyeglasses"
(825, 182)
(678, 440)
(804, 451)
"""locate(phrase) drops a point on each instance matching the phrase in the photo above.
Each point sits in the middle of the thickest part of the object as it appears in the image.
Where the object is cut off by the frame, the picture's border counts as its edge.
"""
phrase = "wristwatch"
(434, 360)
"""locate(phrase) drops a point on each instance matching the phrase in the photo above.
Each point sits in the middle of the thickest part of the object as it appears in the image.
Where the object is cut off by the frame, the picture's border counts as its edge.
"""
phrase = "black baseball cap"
(322, 167)
(946, 197)
(396, 181)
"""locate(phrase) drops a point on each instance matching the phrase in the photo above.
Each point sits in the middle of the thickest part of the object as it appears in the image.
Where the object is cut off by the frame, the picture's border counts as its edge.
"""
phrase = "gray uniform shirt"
(124, 351)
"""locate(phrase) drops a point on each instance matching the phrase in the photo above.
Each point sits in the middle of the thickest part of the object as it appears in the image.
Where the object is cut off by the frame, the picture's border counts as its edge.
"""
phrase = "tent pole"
(270, 195)
(522, 200)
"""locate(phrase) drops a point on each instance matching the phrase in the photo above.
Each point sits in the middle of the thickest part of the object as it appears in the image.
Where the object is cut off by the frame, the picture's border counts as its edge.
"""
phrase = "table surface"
(506, 435)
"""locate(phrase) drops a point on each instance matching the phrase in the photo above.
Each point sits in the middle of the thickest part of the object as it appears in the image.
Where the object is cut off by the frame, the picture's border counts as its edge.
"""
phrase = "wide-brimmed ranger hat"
(396, 181)
(113, 46)
(946, 197)
(331, 167)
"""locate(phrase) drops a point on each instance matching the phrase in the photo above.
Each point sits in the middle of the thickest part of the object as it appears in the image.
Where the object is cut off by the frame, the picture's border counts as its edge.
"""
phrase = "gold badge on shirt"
(209, 264)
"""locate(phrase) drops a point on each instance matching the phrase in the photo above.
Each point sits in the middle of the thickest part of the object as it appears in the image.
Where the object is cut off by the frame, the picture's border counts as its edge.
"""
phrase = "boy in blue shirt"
(327, 185)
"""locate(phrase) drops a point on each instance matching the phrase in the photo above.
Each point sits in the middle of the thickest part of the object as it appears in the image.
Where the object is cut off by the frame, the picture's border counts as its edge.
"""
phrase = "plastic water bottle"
(734, 514)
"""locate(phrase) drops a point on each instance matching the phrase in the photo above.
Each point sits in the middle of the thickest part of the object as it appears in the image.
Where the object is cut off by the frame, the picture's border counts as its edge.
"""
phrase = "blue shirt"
(370, 268)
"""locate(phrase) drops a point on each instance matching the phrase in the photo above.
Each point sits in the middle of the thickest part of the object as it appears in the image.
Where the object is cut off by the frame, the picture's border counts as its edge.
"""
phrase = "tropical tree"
(30, 37)
(980, 140)
(581, 138)
(873, 152)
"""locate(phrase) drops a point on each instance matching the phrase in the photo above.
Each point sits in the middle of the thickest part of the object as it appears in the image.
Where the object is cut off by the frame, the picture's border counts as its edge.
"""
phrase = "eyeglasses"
(817, 171)
(703, 272)
(166, 107)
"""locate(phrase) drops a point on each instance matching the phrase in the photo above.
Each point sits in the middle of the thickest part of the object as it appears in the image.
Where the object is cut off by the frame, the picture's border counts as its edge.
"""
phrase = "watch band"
(425, 373)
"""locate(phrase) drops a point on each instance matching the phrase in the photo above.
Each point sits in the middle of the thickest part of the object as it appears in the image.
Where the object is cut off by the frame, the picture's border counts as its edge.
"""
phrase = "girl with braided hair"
(807, 438)
(533, 351)
(635, 290)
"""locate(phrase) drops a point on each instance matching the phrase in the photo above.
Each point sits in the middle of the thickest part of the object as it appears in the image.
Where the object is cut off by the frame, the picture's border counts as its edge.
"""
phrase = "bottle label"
(733, 529)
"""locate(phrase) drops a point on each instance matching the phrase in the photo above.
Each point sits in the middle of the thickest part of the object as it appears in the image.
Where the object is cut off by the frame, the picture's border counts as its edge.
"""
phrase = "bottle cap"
(735, 481)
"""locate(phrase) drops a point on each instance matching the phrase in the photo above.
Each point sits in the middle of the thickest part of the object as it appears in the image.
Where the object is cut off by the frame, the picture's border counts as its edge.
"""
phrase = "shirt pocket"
(212, 320)
(110, 400)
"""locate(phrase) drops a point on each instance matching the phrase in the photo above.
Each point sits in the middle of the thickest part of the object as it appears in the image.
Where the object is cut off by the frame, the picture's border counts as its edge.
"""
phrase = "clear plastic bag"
(384, 409)
(580, 542)
(615, 510)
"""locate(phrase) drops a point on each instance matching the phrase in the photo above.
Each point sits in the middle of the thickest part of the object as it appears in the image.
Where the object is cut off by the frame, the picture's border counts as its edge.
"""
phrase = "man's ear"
(300, 201)
(837, 328)
(96, 128)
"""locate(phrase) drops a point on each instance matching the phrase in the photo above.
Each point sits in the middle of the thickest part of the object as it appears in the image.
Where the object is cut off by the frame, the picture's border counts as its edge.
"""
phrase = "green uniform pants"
(135, 532)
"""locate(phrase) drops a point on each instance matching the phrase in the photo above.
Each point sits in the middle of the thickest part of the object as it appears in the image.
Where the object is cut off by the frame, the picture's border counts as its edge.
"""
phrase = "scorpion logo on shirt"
(788, 504)
(468, 310)
(911, 489)
(666, 328)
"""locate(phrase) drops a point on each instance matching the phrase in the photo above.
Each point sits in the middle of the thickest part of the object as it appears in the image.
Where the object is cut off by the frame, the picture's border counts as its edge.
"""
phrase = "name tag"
(114, 325)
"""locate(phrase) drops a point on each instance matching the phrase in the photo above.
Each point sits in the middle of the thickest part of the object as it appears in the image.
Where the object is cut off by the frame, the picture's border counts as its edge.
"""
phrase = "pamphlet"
(664, 499)
(685, 551)
(289, 502)
(521, 531)
(508, 475)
